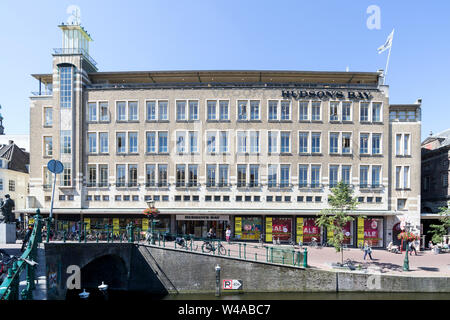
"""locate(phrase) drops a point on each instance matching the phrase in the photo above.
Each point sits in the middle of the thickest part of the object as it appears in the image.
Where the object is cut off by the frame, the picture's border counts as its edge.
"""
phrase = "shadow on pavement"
(428, 269)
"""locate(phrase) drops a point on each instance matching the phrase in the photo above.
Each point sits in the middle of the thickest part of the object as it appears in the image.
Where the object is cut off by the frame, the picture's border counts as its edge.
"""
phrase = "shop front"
(372, 230)
(349, 234)
(199, 225)
(279, 228)
(248, 227)
(307, 230)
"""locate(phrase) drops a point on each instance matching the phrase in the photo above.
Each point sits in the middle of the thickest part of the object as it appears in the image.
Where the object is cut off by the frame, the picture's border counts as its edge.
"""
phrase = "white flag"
(387, 44)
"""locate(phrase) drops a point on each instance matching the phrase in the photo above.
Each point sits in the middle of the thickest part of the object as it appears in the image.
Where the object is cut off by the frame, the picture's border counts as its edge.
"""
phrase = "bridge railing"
(9, 289)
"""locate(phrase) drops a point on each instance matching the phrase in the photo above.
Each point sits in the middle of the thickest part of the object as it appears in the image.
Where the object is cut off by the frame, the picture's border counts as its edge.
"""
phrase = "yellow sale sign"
(116, 226)
(299, 230)
(360, 232)
(268, 229)
(238, 227)
(88, 223)
(144, 224)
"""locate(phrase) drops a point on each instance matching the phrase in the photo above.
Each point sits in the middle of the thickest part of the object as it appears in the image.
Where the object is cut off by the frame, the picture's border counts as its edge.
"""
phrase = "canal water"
(116, 295)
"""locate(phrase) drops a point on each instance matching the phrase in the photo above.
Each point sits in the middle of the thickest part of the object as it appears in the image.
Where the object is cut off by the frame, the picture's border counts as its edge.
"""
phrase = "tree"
(335, 218)
(439, 230)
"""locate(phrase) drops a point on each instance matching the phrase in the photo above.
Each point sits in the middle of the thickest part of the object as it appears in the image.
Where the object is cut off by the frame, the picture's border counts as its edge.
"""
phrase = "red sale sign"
(370, 229)
(310, 230)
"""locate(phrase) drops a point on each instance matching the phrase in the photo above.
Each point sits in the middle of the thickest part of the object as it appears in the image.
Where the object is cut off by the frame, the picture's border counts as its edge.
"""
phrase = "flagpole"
(387, 63)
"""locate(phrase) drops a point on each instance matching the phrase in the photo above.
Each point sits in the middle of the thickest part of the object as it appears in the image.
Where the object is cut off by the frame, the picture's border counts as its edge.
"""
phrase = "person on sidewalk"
(228, 234)
(367, 250)
(412, 248)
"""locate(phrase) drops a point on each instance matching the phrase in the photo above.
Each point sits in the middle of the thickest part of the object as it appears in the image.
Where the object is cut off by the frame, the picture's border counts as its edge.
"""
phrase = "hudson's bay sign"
(326, 94)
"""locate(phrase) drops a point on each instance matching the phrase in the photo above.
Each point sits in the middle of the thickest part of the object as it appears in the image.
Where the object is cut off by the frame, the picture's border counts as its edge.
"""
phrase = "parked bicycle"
(315, 244)
(298, 245)
(6, 262)
(187, 243)
(208, 246)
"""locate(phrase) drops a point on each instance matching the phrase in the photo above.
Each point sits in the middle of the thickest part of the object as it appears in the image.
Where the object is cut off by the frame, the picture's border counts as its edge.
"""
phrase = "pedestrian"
(26, 238)
(412, 248)
(367, 250)
(228, 234)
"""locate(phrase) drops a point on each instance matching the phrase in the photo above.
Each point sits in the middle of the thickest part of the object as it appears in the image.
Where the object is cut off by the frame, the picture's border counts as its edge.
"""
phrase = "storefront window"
(348, 234)
(248, 228)
(370, 229)
(278, 228)
(307, 229)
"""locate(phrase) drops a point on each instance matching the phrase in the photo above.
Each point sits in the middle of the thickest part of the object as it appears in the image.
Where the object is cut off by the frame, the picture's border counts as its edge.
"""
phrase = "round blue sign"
(55, 166)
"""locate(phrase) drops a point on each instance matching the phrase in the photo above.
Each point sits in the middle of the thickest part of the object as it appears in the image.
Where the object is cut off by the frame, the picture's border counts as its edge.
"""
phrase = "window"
(241, 141)
(103, 171)
(181, 175)
(12, 185)
(48, 117)
(223, 110)
(241, 175)
(334, 112)
(67, 175)
(193, 144)
(211, 142)
(211, 110)
(273, 114)
(376, 112)
(193, 110)
(302, 176)
(398, 171)
(223, 142)
(150, 175)
(402, 142)
(272, 175)
(92, 175)
(334, 141)
(364, 143)
(181, 110)
(315, 176)
(121, 111)
(254, 110)
(92, 142)
(210, 175)
(401, 204)
(120, 175)
(364, 112)
(333, 176)
(273, 141)
(163, 110)
(92, 111)
(406, 144)
(303, 111)
(193, 175)
(151, 111)
(346, 178)
(66, 142)
(376, 176)
(285, 145)
(303, 142)
(132, 111)
(376, 143)
(151, 142)
(316, 111)
(406, 177)
(104, 142)
(242, 110)
(47, 179)
(223, 175)
(398, 144)
(363, 176)
(285, 111)
(103, 111)
(315, 142)
(162, 142)
(444, 179)
(181, 141)
(65, 78)
(132, 142)
(120, 142)
(254, 175)
(254, 141)
(346, 111)
(346, 143)
(162, 175)
(284, 176)
(48, 146)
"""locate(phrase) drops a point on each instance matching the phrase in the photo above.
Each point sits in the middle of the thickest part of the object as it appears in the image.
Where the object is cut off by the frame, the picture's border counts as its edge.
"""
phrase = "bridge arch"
(110, 268)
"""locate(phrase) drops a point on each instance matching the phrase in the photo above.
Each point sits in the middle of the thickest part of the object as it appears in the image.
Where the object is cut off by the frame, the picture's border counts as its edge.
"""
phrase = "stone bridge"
(150, 269)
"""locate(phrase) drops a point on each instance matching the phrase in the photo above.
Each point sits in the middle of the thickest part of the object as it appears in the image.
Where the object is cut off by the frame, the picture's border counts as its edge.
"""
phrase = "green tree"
(335, 218)
(439, 230)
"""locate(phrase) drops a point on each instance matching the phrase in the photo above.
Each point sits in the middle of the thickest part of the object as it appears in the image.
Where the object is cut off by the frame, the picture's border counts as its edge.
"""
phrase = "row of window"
(247, 110)
(11, 185)
(248, 175)
(218, 142)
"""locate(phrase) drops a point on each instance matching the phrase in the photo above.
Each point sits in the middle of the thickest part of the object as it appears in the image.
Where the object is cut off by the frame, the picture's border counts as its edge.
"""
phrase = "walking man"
(367, 250)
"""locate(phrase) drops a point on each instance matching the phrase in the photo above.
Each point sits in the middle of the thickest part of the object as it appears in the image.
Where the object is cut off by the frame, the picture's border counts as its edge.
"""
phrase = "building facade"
(435, 173)
(256, 150)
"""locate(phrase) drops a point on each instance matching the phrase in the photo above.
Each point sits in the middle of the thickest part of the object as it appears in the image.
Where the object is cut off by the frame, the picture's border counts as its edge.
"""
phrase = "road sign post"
(56, 167)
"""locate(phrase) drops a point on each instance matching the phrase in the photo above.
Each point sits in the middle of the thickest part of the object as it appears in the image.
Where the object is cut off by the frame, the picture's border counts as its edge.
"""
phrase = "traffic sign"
(231, 284)
(55, 166)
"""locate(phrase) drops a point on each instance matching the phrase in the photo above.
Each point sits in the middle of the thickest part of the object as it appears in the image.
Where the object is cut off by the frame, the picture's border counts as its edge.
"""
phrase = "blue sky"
(229, 35)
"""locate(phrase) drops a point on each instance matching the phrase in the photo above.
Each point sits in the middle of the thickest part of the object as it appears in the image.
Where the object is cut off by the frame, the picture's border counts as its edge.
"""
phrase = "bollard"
(293, 257)
(64, 236)
(305, 258)
(245, 256)
(228, 252)
(256, 256)
(267, 254)
(217, 268)
(271, 254)
(96, 237)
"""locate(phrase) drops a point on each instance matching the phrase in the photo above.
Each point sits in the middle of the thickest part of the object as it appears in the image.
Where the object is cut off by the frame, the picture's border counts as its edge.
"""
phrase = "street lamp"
(151, 213)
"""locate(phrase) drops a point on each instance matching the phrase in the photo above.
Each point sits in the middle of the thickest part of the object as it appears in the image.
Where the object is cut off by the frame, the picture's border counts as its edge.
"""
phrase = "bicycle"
(187, 243)
(315, 244)
(298, 245)
(207, 246)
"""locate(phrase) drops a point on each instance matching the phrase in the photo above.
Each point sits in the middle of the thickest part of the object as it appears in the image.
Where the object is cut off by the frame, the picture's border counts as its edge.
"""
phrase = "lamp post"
(152, 216)
(406, 261)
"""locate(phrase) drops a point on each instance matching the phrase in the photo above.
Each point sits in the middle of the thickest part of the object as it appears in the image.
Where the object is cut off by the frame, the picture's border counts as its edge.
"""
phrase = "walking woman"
(367, 250)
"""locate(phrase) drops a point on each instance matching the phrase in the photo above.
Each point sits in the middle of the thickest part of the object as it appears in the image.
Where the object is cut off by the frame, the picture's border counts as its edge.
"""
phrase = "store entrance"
(199, 229)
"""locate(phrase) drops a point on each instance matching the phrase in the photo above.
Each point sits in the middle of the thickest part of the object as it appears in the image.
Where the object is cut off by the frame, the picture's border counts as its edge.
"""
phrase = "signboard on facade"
(326, 94)
(203, 217)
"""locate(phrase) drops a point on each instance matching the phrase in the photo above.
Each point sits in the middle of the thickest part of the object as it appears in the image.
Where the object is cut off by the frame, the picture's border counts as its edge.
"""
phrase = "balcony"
(62, 51)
